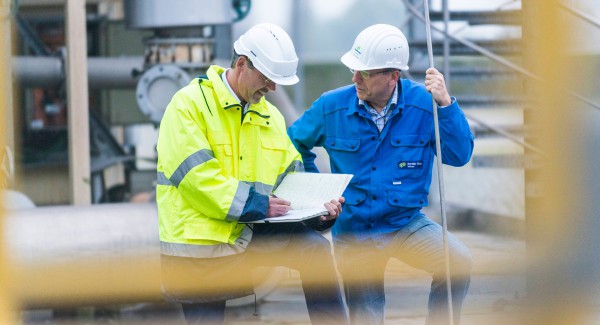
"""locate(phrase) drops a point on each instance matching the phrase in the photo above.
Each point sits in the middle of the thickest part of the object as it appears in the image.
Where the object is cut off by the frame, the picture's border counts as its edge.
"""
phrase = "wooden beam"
(77, 103)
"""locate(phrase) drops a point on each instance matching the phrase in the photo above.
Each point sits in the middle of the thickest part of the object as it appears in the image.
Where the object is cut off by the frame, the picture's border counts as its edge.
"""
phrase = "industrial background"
(80, 225)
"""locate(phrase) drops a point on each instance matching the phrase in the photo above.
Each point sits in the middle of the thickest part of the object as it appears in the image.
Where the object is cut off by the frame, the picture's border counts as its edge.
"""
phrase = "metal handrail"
(511, 65)
(580, 14)
(495, 57)
(507, 135)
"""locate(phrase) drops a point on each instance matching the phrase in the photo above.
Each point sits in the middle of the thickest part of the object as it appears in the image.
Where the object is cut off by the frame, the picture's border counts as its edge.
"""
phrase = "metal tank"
(177, 13)
(188, 37)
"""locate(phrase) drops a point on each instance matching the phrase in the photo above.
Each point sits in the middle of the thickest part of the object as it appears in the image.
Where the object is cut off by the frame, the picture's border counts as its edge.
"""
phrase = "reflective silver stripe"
(161, 179)
(207, 251)
(238, 202)
(190, 162)
(295, 166)
(197, 158)
(262, 188)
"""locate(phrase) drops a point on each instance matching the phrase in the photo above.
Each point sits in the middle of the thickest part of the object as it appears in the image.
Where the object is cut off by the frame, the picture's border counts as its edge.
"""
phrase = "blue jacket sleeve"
(255, 208)
(455, 136)
(309, 132)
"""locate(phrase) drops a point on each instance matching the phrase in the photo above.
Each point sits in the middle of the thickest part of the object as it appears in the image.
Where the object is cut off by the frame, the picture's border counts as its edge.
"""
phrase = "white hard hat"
(271, 51)
(378, 47)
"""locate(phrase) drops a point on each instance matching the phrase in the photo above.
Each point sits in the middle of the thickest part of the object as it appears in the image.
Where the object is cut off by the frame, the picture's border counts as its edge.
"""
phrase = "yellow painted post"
(560, 221)
(7, 305)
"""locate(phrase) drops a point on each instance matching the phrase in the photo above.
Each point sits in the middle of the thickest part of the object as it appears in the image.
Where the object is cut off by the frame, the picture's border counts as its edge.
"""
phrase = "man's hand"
(278, 207)
(435, 84)
(334, 207)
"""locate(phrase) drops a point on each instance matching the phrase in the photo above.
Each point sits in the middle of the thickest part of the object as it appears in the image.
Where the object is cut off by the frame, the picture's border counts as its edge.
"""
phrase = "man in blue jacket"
(381, 129)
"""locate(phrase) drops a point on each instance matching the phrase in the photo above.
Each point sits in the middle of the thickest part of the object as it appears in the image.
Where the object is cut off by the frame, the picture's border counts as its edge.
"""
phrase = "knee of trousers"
(461, 260)
(321, 244)
(314, 242)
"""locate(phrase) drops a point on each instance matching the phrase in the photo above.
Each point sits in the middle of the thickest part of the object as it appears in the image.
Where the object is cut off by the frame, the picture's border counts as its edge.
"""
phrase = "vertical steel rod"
(446, 44)
(440, 173)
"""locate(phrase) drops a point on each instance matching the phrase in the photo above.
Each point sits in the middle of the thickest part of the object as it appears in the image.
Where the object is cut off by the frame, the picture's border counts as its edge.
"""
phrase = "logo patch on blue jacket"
(410, 165)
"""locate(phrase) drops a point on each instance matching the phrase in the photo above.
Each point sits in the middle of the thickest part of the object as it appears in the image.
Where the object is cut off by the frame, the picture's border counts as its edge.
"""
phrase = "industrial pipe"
(103, 72)
(70, 256)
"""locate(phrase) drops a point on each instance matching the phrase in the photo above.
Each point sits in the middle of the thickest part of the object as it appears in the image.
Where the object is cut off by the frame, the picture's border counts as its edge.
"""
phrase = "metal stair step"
(481, 132)
(492, 123)
(483, 101)
(500, 47)
(466, 72)
(497, 17)
(498, 161)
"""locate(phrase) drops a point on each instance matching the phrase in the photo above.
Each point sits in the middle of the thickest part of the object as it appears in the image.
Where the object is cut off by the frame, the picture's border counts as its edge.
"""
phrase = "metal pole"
(297, 21)
(446, 44)
(440, 172)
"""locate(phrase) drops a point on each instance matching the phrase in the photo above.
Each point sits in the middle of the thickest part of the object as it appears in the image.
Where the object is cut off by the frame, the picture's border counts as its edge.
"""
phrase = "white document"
(308, 193)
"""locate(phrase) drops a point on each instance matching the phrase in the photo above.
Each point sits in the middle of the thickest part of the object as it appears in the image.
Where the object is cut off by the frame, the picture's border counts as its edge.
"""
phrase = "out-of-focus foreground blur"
(85, 84)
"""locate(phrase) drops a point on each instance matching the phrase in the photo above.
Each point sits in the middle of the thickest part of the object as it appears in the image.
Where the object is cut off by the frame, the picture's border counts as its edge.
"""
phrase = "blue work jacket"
(392, 169)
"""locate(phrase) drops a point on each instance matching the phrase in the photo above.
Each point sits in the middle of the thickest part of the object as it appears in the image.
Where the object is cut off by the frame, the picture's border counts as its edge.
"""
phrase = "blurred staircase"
(489, 193)
(482, 62)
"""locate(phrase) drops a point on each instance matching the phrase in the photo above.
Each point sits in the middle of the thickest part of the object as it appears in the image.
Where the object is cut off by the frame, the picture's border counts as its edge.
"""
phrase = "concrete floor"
(498, 280)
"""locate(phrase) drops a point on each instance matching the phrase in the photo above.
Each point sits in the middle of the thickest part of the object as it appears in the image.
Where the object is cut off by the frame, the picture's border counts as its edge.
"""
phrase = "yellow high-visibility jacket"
(209, 157)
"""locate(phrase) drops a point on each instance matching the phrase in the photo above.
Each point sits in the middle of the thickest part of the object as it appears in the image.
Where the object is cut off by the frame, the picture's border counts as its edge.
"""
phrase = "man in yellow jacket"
(222, 148)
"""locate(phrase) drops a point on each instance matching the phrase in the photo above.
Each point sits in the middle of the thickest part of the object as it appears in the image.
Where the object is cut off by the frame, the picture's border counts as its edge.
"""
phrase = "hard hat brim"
(354, 63)
(280, 80)
(284, 81)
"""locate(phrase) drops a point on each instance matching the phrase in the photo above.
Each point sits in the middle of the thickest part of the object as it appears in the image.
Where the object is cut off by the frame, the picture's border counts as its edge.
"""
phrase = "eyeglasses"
(367, 75)
(266, 80)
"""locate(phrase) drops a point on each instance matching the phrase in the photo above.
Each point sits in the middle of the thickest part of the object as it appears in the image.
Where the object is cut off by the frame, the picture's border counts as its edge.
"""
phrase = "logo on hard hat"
(358, 50)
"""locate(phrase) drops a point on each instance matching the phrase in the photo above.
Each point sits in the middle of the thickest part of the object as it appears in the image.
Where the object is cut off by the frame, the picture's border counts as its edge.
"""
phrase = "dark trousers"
(204, 313)
(296, 246)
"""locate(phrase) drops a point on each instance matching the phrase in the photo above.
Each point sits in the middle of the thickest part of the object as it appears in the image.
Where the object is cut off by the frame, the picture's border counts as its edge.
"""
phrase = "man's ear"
(241, 62)
(395, 76)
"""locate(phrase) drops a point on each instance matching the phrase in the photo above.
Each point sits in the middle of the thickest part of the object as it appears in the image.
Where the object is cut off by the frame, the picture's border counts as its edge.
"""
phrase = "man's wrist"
(446, 103)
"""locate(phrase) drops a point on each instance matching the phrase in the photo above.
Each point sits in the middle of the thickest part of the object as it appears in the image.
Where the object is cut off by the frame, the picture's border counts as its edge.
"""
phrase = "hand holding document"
(308, 193)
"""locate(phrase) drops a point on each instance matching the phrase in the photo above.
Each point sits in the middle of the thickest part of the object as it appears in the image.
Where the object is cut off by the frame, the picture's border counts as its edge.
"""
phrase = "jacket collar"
(228, 100)
(354, 106)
